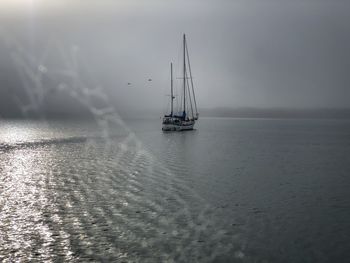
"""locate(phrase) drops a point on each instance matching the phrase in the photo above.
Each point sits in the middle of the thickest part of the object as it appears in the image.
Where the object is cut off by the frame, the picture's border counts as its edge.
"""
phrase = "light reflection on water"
(24, 202)
(197, 196)
(78, 200)
(15, 134)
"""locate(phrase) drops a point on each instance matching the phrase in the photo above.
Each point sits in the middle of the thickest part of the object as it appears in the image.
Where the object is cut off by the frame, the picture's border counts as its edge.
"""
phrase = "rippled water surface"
(234, 190)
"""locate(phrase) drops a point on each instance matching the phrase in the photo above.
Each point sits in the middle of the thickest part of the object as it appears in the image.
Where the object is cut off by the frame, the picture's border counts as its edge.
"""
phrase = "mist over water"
(86, 174)
(243, 53)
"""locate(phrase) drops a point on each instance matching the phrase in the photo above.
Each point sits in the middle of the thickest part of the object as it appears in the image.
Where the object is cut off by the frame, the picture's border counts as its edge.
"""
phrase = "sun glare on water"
(15, 133)
(17, 3)
(28, 5)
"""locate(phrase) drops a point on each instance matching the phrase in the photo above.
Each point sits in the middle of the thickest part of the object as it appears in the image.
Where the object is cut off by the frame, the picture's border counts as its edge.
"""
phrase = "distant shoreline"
(285, 113)
(268, 113)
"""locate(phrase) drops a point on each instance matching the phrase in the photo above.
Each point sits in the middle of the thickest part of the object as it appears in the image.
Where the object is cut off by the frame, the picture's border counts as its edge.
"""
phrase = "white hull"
(185, 128)
(180, 127)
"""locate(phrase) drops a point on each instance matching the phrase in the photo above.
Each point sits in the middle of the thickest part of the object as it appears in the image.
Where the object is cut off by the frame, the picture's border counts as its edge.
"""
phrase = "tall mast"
(184, 112)
(171, 87)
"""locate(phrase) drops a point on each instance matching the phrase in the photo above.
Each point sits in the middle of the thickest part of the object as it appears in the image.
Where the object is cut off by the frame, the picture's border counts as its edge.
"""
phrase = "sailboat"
(187, 115)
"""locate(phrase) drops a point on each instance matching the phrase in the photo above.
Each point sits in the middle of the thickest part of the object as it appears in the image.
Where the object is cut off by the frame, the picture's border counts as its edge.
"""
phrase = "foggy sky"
(293, 54)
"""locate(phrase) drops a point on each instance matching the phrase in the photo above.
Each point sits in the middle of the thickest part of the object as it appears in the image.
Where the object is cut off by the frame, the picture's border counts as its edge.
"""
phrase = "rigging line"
(179, 101)
(176, 84)
(184, 74)
(172, 92)
(178, 97)
(189, 95)
(166, 109)
(189, 69)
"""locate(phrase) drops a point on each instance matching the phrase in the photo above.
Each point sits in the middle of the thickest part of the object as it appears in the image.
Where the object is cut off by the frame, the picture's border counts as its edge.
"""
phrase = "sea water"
(232, 190)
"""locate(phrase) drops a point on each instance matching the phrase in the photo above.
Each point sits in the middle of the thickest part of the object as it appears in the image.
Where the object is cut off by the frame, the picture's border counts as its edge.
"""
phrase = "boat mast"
(184, 112)
(171, 87)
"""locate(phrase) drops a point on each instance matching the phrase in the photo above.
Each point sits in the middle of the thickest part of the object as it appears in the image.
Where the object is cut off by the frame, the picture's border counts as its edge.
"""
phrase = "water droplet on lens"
(42, 68)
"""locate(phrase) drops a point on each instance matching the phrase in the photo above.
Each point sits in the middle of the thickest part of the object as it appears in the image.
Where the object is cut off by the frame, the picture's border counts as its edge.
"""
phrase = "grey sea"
(233, 190)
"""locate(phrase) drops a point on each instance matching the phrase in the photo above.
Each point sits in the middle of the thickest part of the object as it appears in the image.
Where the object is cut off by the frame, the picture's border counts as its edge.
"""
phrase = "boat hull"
(168, 127)
(185, 126)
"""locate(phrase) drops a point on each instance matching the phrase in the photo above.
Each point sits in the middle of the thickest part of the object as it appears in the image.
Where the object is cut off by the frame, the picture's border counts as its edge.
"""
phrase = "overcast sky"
(243, 53)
